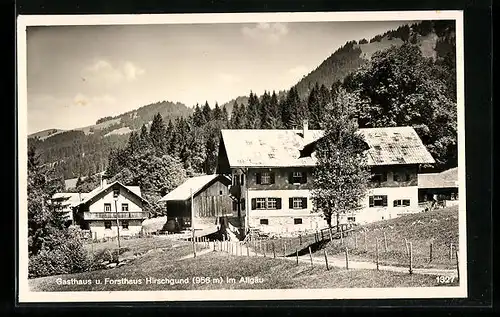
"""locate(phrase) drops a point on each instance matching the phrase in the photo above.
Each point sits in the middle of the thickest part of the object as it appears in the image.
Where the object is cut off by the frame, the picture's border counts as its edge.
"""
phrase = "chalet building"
(272, 169)
(209, 197)
(106, 207)
(439, 188)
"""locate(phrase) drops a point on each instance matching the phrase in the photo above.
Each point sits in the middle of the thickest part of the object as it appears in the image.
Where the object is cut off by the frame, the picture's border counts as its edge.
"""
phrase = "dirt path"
(333, 261)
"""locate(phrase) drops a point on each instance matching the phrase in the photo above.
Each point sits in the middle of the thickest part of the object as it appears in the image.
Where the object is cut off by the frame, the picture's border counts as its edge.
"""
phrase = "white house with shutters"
(272, 169)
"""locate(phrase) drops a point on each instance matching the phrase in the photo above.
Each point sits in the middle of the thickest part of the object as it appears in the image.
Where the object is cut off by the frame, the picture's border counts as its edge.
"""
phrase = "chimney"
(305, 127)
(104, 181)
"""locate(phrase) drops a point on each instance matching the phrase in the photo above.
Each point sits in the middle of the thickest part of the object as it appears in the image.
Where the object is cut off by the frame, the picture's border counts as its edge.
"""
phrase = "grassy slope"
(275, 274)
(439, 227)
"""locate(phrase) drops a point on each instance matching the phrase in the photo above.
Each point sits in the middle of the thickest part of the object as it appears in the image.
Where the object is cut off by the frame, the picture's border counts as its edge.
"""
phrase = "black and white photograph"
(260, 156)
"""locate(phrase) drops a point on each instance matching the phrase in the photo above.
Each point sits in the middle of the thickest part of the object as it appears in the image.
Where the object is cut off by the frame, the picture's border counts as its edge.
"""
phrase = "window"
(297, 221)
(107, 224)
(242, 204)
(242, 182)
(401, 177)
(107, 207)
(116, 192)
(297, 203)
(125, 224)
(261, 203)
(220, 192)
(297, 177)
(264, 178)
(264, 221)
(266, 203)
(378, 201)
(352, 219)
(124, 207)
(272, 203)
(401, 203)
(235, 179)
(379, 177)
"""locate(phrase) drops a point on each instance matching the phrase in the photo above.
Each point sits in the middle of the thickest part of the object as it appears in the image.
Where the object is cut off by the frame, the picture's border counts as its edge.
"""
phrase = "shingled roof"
(282, 148)
(445, 179)
(194, 184)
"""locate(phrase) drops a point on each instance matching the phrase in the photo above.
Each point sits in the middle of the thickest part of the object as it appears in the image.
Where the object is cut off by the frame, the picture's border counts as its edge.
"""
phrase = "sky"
(78, 74)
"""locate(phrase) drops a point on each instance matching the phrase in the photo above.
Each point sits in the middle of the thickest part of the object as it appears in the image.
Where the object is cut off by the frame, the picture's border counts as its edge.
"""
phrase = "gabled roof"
(196, 184)
(267, 148)
(282, 148)
(445, 179)
(75, 199)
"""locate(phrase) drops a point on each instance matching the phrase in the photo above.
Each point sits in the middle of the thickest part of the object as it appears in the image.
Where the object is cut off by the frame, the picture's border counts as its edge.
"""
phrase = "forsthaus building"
(268, 169)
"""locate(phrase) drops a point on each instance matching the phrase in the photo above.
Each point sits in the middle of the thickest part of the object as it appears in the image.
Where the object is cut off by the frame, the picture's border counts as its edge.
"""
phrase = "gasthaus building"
(272, 170)
(99, 210)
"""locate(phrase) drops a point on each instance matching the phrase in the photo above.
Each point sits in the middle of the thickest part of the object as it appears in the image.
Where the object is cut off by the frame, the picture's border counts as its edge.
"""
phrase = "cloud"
(103, 72)
(270, 32)
(82, 100)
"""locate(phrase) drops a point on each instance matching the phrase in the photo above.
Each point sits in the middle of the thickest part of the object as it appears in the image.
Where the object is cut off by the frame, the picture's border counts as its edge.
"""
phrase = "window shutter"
(235, 205)
(304, 177)
(371, 201)
(304, 203)
(290, 203)
(395, 203)
(254, 203)
(242, 202)
(272, 177)
(384, 200)
(257, 178)
(242, 179)
(290, 177)
(278, 203)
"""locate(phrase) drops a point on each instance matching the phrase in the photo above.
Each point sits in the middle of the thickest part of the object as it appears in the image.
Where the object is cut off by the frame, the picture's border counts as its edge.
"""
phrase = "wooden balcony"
(113, 215)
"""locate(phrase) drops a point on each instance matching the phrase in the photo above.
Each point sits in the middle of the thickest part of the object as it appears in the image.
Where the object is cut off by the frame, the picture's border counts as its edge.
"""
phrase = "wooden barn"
(211, 202)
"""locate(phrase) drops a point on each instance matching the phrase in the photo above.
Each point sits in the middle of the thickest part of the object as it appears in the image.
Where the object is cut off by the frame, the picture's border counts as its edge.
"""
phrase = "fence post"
(322, 237)
(264, 249)
(297, 256)
(430, 252)
(342, 235)
(458, 269)
(326, 261)
(406, 246)
(346, 258)
(274, 251)
(356, 240)
(376, 251)
(451, 251)
(300, 239)
(385, 242)
(411, 257)
(310, 256)
(284, 249)
(330, 231)
(364, 237)
(248, 251)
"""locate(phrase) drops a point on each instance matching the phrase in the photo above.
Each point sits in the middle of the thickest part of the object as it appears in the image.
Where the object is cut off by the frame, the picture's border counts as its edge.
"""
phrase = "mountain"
(426, 34)
(84, 151)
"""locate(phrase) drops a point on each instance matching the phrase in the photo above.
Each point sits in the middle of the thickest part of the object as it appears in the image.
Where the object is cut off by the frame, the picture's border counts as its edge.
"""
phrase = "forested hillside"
(84, 151)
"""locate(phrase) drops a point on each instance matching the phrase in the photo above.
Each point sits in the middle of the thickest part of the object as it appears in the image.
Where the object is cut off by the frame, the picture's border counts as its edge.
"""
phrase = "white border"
(25, 296)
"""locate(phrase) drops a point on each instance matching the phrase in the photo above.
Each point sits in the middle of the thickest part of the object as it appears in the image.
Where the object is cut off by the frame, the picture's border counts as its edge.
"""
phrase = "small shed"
(439, 186)
(211, 204)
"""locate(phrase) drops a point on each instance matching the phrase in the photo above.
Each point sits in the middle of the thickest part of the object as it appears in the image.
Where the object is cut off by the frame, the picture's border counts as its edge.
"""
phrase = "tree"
(207, 113)
(45, 219)
(400, 87)
(252, 118)
(341, 175)
(157, 132)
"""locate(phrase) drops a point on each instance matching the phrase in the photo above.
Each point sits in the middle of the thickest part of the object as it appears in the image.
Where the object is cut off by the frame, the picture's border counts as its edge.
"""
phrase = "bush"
(66, 254)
